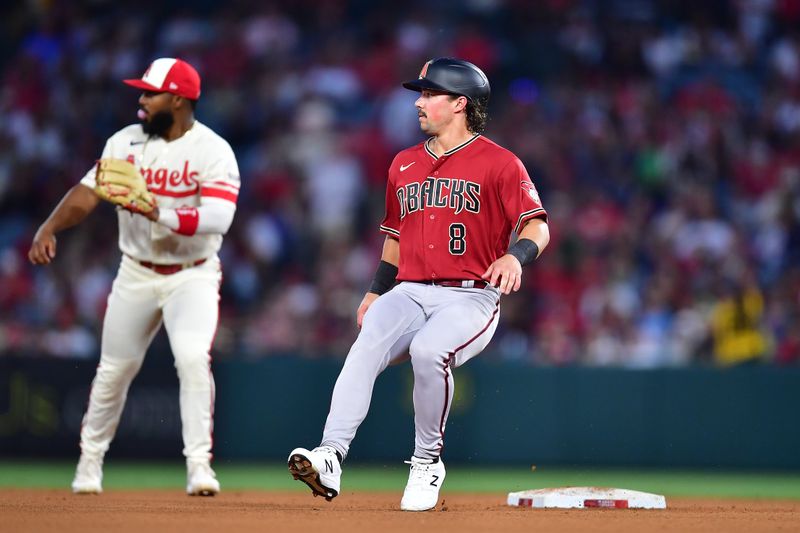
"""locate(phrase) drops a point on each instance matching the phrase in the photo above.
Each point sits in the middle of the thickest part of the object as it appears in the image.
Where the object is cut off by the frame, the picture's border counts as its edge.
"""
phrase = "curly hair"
(477, 114)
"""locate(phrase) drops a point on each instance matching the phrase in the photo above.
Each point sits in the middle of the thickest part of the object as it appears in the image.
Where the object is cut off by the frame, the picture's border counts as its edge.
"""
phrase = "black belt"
(459, 283)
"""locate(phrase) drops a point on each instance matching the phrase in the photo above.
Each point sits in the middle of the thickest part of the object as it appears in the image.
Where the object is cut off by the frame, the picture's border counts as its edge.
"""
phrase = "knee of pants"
(115, 373)
(192, 362)
(423, 355)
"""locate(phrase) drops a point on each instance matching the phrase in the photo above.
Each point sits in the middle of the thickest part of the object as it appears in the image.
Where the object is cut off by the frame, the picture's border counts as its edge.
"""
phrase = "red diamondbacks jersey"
(454, 214)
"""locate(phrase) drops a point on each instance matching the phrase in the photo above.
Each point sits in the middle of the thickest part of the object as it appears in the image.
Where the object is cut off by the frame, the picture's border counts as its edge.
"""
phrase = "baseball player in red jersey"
(452, 203)
(169, 273)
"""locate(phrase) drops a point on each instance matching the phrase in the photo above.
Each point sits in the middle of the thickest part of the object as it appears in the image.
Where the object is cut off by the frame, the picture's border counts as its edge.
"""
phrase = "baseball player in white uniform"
(169, 272)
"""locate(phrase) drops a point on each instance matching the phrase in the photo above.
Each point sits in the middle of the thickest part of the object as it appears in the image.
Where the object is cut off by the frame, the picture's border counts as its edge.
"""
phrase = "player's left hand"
(505, 273)
(118, 181)
(368, 300)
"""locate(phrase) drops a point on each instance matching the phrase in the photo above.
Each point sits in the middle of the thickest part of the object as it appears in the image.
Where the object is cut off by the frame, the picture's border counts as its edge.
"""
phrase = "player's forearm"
(72, 209)
(537, 231)
(533, 238)
(391, 251)
(206, 219)
(387, 268)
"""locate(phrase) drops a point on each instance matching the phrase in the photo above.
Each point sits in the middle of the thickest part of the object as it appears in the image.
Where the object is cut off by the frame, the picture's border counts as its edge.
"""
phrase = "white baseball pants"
(187, 303)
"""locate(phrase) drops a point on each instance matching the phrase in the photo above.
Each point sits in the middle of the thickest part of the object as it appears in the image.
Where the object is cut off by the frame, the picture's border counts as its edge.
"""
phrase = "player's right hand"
(43, 248)
(365, 303)
(505, 274)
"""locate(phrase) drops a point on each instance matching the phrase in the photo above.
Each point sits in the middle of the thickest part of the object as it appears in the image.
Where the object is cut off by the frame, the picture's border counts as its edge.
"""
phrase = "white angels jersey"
(199, 167)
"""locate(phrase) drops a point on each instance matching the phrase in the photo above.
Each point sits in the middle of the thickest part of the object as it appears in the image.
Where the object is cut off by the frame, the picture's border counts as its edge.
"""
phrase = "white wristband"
(168, 218)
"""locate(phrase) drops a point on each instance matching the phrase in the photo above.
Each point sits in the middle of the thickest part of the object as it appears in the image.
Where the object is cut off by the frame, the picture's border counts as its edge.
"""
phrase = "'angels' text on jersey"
(175, 183)
(197, 168)
(453, 193)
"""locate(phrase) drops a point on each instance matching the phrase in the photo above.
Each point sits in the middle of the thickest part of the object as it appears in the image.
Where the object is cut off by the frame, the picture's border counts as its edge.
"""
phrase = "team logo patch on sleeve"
(528, 187)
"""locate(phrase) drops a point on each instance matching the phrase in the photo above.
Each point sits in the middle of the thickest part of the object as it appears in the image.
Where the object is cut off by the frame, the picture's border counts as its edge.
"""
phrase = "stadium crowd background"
(663, 137)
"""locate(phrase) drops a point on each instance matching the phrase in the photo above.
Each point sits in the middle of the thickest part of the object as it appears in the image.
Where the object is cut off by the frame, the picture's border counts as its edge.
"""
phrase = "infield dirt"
(46, 510)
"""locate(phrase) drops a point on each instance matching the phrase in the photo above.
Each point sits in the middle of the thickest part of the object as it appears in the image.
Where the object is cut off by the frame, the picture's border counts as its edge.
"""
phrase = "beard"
(159, 123)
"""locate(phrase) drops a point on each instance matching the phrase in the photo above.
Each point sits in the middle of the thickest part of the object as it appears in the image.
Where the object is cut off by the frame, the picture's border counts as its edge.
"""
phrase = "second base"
(586, 497)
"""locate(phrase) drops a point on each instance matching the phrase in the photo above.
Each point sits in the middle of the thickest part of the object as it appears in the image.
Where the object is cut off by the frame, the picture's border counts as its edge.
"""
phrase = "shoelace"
(330, 452)
(418, 471)
(326, 450)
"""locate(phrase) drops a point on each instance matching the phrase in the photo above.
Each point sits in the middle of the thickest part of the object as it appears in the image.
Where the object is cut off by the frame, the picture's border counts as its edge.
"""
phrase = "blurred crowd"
(663, 137)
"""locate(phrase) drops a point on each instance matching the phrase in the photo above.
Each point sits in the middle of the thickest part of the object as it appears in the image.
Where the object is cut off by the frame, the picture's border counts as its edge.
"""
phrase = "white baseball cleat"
(319, 468)
(424, 481)
(88, 475)
(201, 479)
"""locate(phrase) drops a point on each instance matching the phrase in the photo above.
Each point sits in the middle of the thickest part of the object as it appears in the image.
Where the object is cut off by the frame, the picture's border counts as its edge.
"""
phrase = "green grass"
(460, 478)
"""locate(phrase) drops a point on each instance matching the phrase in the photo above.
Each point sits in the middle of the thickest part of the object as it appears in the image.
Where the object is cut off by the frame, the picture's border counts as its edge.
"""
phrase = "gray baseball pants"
(439, 328)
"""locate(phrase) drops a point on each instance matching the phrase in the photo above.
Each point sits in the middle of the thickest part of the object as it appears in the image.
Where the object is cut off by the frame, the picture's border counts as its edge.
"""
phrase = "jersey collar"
(452, 150)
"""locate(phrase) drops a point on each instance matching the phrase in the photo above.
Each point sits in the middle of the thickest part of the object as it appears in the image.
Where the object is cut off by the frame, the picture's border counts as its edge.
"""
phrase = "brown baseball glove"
(120, 182)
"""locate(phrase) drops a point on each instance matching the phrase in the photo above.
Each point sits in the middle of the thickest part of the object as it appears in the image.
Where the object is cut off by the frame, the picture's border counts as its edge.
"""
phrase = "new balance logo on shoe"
(425, 478)
(318, 468)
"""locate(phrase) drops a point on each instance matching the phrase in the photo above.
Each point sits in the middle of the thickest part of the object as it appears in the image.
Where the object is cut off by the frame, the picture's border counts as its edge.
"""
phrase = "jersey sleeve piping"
(220, 189)
(539, 212)
(390, 231)
(208, 192)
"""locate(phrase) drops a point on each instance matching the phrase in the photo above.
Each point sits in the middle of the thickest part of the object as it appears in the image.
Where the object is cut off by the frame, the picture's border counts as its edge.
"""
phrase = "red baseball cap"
(171, 75)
